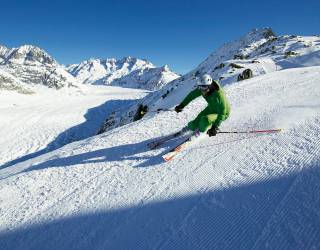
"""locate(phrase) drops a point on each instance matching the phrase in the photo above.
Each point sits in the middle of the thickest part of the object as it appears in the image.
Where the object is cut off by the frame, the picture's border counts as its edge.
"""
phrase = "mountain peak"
(34, 66)
(92, 60)
(165, 68)
(257, 35)
(111, 60)
(29, 54)
(2, 47)
(127, 59)
(266, 33)
(3, 52)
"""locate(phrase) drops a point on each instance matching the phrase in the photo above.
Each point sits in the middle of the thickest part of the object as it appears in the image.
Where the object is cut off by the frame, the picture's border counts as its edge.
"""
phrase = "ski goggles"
(203, 87)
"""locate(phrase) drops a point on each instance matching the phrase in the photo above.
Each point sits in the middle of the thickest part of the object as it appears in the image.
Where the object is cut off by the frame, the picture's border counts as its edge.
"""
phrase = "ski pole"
(251, 131)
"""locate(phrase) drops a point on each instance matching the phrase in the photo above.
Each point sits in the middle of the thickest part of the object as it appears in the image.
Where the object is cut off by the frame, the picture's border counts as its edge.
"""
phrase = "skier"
(215, 113)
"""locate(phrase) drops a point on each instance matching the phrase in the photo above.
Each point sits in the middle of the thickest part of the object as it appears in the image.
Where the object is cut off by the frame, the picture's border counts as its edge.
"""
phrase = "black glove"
(212, 131)
(178, 108)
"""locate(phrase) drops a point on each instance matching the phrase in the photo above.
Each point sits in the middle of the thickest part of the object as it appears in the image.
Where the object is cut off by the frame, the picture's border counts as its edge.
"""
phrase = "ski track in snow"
(241, 185)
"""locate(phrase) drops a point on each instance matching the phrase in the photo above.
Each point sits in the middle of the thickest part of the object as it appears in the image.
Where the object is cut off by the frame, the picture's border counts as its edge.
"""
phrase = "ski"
(186, 143)
(251, 131)
(156, 143)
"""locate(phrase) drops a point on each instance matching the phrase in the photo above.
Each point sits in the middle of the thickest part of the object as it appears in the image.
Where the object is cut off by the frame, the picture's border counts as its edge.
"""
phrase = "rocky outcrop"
(246, 74)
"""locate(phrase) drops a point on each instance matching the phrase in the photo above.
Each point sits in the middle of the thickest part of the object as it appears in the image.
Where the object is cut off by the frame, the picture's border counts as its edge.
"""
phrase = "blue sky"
(178, 33)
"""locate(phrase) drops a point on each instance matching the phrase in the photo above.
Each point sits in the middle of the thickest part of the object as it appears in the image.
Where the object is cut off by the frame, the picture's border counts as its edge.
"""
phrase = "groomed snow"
(32, 124)
(231, 191)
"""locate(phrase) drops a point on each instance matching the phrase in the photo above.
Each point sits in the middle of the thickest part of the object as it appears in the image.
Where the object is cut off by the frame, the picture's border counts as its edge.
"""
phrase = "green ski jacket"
(217, 103)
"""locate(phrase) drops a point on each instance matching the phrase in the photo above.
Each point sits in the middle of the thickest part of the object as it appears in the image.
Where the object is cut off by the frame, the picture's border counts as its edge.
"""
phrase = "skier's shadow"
(94, 117)
(139, 153)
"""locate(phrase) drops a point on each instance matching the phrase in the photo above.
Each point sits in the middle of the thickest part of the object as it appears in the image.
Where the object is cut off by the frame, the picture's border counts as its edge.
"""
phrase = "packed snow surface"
(230, 191)
(34, 124)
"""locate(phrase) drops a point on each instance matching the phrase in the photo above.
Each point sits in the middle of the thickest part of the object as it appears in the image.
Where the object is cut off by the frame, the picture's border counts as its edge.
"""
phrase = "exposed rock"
(290, 53)
(241, 57)
(236, 66)
(268, 33)
(246, 74)
(220, 66)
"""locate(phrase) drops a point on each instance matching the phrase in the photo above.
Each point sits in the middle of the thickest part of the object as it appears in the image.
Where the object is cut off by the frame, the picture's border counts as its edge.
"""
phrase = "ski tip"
(167, 157)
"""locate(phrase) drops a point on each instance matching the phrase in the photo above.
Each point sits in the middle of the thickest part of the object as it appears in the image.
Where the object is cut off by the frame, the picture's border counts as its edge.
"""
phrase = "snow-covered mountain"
(9, 82)
(26, 54)
(96, 71)
(258, 52)
(147, 78)
(128, 72)
(33, 66)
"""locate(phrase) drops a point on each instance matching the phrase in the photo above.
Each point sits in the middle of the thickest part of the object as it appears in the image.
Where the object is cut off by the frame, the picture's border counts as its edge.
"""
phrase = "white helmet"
(205, 80)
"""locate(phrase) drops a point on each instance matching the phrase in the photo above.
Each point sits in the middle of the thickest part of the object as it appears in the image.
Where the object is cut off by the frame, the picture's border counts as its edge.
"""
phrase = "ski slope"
(31, 125)
(228, 192)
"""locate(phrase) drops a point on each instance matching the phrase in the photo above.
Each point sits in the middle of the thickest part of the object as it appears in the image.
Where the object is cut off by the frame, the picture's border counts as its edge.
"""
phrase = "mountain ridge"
(33, 66)
(127, 72)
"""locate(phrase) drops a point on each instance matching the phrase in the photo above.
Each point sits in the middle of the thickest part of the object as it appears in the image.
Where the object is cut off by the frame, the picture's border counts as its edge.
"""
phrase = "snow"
(33, 124)
(110, 192)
